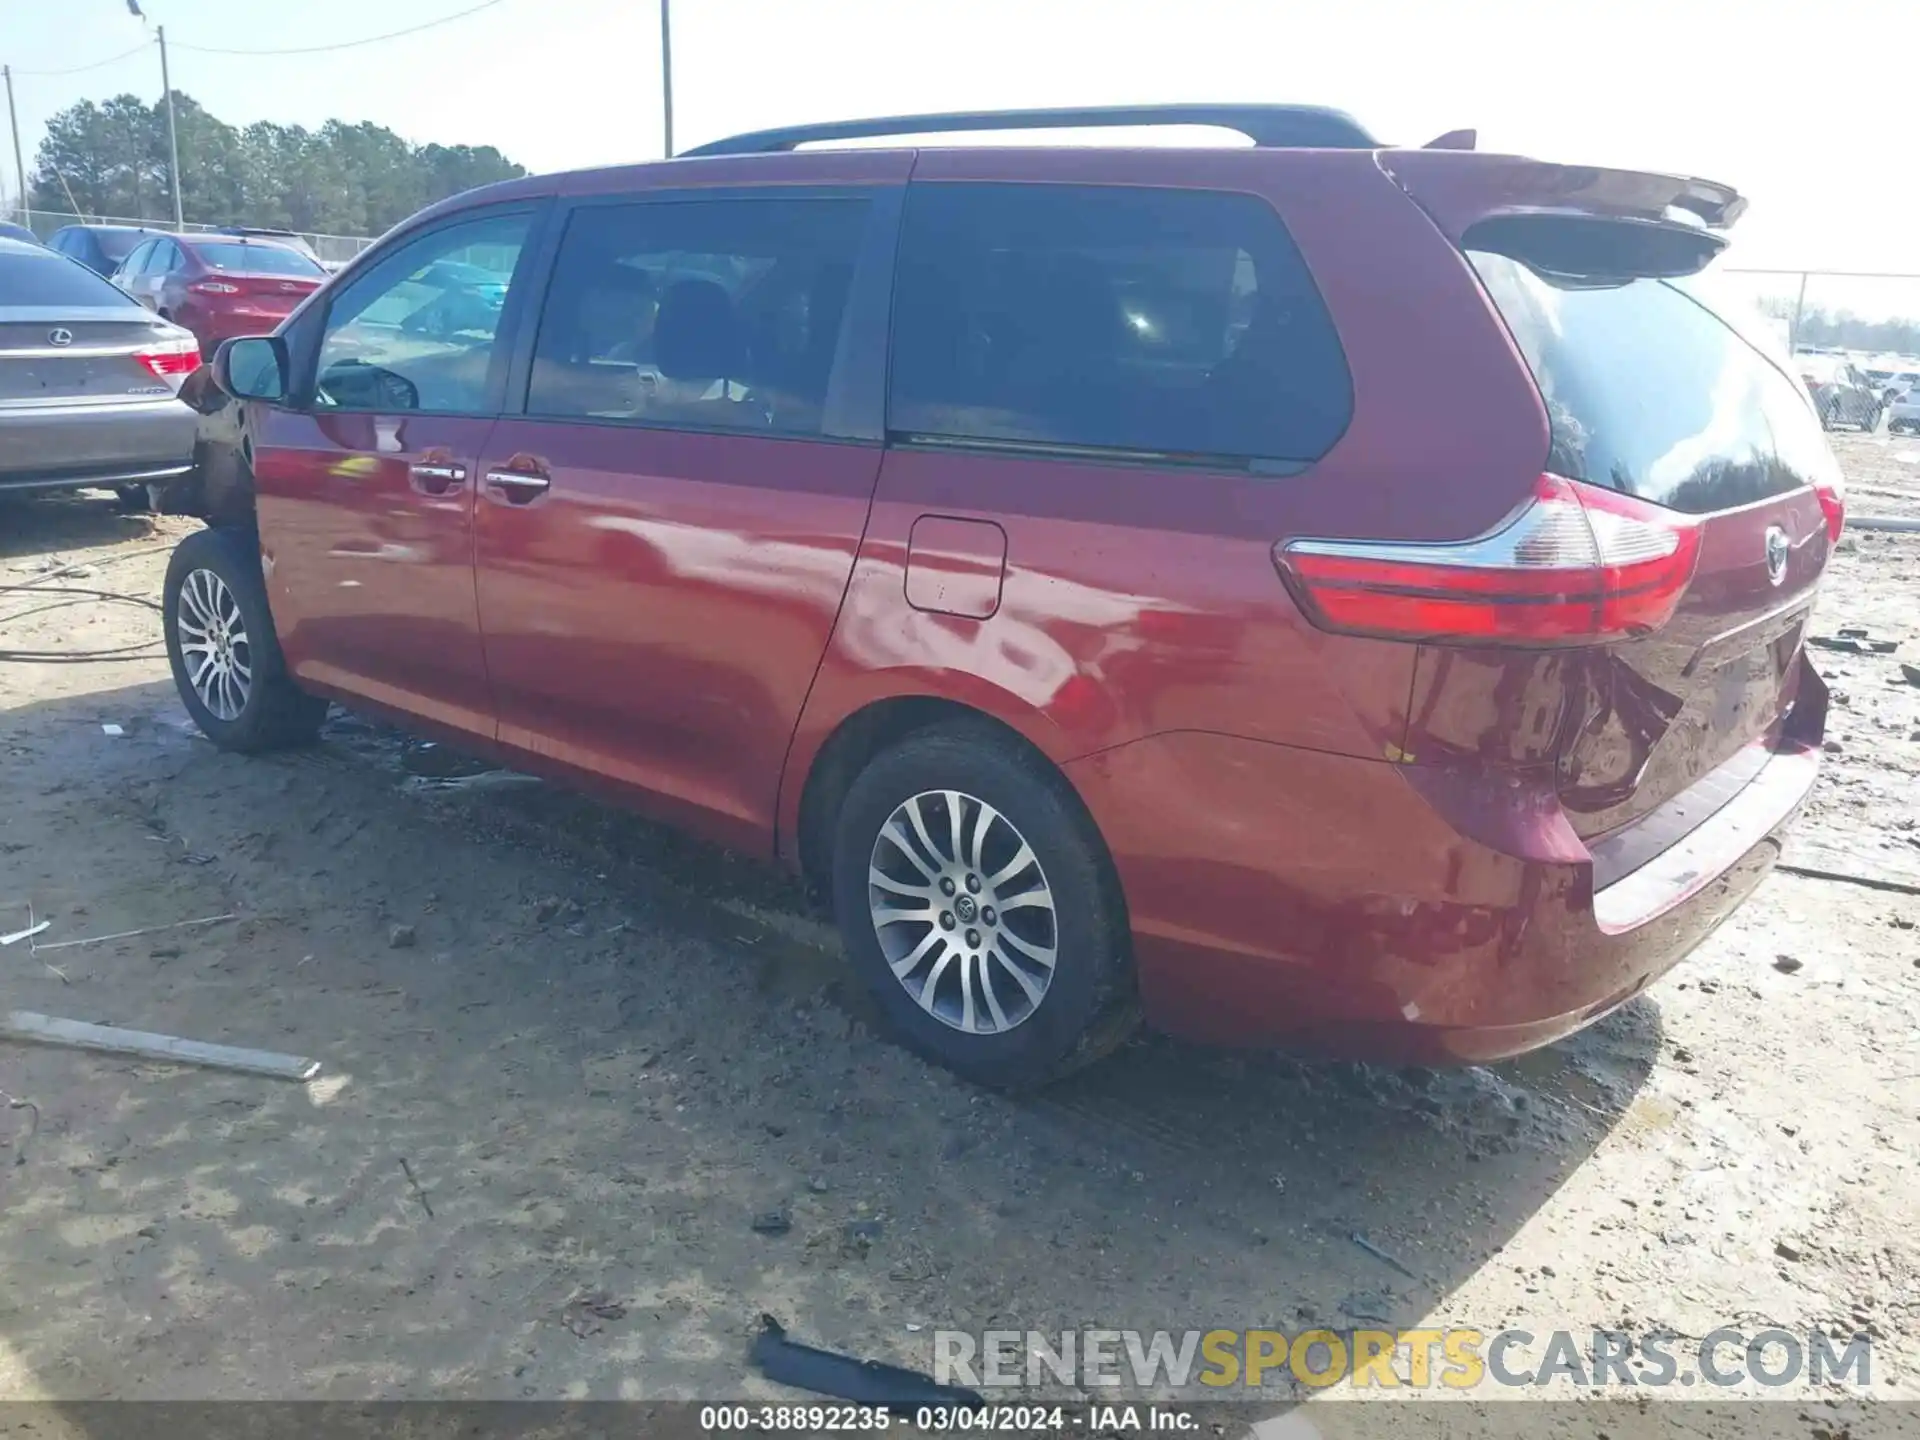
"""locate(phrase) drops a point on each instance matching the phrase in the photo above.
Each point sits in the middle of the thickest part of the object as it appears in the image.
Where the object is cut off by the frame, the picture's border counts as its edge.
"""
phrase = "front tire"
(979, 907)
(225, 656)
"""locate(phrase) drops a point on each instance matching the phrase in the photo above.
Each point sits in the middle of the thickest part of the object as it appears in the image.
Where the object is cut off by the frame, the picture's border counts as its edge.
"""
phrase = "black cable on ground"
(76, 595)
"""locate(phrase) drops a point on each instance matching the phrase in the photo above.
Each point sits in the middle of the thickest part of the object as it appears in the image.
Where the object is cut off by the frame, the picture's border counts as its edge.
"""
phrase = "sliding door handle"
(436, 478)
(517, 487)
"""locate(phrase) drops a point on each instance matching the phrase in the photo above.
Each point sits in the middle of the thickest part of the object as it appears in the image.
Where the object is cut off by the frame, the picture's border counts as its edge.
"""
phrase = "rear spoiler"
(1575, 220)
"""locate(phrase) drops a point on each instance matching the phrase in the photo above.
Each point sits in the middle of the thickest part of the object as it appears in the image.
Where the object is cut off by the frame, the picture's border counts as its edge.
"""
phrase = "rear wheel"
(979, 907)
(134, 499)
(226, 659)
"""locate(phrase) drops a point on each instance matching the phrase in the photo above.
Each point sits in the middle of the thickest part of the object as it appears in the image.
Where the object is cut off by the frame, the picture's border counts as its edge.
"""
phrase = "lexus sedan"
(88, 381)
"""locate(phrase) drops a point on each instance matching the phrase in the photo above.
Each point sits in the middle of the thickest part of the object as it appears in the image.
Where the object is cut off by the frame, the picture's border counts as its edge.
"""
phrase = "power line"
(92, 65)
(344, 44)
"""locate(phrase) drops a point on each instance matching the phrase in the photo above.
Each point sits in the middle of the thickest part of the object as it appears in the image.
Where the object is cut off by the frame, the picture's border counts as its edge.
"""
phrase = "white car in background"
(1903, 411)
(1842, 394)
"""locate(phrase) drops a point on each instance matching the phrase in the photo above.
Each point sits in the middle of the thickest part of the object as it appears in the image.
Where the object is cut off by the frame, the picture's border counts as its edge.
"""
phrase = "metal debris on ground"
(110, 1039)
(26, 934)
(145, 930)
(865, 1382)
(485, 780)
(112, 730)
(1841, 877)
(1856, 644)
(1382, 1256)
(584, 1313)
(419, 1192)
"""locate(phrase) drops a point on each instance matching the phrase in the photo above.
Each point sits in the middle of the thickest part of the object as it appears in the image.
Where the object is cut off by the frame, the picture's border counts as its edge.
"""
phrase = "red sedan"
(219, 286)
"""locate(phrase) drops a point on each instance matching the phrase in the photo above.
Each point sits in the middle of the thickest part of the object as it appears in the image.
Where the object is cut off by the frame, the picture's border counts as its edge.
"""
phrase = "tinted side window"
(1165, 321)
(136, 262)
(165, 258)
(718, 314)
(416, 330)
(1649, 391)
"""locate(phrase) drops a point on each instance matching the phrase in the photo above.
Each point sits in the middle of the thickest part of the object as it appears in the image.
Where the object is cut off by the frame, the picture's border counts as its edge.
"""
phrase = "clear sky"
(1811, 109)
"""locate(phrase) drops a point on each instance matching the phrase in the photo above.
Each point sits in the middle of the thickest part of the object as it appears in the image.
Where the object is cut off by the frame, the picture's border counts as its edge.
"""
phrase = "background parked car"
(1841, 392)
(464, 297)
(11, 231)
(293, 240)
(88, 381)
(100, 248)
(1904, 413)
(218, 286)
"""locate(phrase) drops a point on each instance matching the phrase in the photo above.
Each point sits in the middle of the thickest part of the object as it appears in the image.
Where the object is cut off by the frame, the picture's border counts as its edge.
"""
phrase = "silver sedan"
(89, 381)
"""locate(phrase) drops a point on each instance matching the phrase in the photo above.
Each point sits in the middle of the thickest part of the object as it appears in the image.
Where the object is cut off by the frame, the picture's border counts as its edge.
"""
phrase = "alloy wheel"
(213, 645)
(963, 912)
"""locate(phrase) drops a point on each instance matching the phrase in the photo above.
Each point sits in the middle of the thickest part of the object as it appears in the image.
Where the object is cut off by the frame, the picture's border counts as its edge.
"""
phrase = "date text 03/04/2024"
(944, 1419)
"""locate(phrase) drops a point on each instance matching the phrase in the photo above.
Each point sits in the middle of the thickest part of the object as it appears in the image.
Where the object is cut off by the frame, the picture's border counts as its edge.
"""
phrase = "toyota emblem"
(59, 337)
(1776, 554)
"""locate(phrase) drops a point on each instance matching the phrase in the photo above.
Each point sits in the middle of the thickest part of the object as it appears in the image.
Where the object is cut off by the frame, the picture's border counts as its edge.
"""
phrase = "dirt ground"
(569, 1060)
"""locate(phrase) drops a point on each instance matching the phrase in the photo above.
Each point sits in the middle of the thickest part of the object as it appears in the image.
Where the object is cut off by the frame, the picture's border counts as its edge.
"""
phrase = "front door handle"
(517, 487)
(436, 478)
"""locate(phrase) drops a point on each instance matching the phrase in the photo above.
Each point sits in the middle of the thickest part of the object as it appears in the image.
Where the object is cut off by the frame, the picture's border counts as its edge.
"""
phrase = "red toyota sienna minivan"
(1312, 592)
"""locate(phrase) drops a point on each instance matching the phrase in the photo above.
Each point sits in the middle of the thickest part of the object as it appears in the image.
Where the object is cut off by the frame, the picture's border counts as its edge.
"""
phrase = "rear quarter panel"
(1140, 602)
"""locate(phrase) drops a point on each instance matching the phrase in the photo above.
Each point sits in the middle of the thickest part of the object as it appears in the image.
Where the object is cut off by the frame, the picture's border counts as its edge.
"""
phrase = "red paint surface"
(655, 619)
(371, 578)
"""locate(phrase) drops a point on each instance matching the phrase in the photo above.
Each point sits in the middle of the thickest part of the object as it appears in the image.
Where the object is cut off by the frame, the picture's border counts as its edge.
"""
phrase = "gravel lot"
(570, 1056)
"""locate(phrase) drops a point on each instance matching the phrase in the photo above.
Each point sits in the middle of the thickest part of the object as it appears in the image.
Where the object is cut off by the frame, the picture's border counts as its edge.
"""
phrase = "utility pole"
(1799, 307)
(666, 69)
(173, 137)
(19, 169)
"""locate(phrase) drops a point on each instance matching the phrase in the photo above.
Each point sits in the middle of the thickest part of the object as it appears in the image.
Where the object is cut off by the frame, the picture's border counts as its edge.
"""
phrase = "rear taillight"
(1575, 564)
(1833, 505)
(171, 359)
(213, 287)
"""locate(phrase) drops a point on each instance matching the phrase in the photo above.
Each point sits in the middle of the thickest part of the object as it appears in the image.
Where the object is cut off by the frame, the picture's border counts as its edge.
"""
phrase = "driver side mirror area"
(254, 367)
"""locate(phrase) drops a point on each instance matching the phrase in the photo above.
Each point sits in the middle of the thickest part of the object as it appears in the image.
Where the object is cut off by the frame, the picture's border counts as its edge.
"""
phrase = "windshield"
(47, 279)
(248, 258)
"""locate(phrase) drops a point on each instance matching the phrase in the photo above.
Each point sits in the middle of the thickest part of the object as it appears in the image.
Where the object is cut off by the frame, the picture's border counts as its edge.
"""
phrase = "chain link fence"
(332, 251)
(1865, 314)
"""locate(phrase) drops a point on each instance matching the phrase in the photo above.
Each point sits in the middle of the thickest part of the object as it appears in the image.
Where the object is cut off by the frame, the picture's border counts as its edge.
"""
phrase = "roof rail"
(1268, 126)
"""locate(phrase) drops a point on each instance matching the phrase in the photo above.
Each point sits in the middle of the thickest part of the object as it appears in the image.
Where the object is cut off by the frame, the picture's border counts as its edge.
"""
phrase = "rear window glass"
(49, 279)
(1169, 322)
(1651, 392)
(118, 244)
(247, 259)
